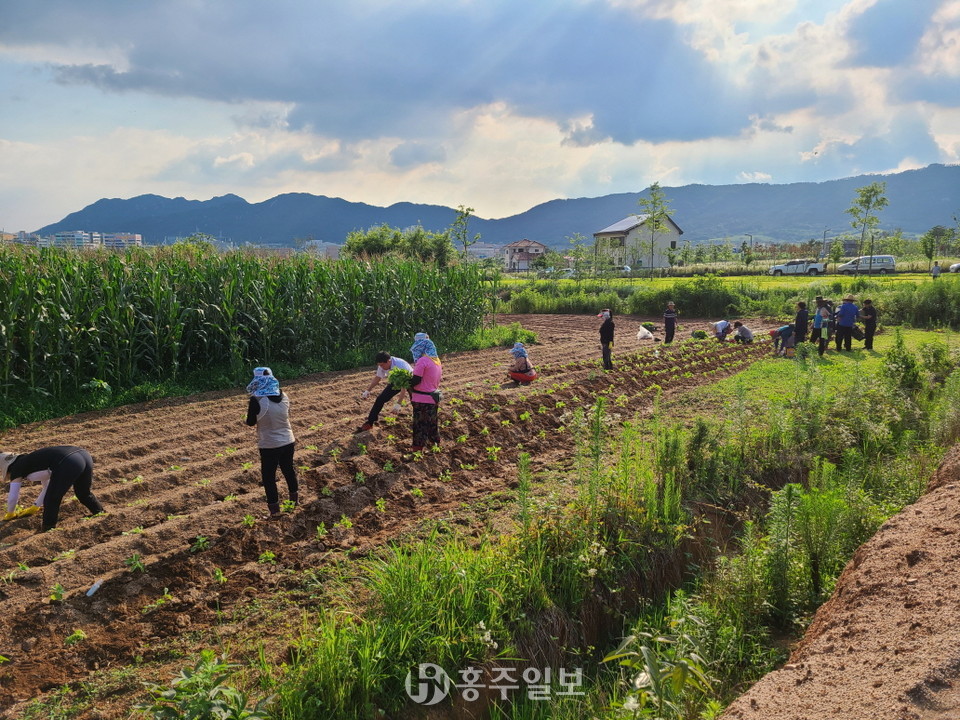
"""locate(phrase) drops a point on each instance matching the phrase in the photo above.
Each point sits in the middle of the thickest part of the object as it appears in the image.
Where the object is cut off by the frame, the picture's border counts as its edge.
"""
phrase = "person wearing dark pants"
(385, 363)
(869, 314)
(846, 316)
(606, 338)
(800, 322)
(57, 469)
(669, 322)
(269, 410)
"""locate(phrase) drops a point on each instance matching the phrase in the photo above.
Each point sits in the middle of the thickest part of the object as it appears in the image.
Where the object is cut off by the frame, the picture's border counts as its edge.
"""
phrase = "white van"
(880, 264)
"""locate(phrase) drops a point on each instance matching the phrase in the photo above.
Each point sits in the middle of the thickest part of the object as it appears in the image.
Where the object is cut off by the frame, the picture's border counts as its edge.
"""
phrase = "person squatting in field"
(424, 392)
(521, 370)
(269, 410)
(607, 328)
(721, 329)
(57, 469)
(741, 333)
(385, 363)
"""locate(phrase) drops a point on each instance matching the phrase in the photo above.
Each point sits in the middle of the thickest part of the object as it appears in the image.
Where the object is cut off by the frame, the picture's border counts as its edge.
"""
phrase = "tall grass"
(69, 317)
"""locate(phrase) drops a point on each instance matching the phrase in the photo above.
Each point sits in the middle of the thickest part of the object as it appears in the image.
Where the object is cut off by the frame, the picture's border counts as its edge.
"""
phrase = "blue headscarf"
(264, 383)
(423, 345)
(518, 350)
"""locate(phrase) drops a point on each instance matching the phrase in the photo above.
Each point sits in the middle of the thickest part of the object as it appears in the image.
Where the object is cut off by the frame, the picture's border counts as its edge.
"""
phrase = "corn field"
(69, 317)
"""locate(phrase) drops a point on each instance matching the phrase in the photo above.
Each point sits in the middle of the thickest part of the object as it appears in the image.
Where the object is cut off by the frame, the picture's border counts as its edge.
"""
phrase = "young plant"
(77, 636)
(249, 520)
(288, 506)
(267, 558)
(388, 466)
(200, 543)
(381, 504)
(493, 452)
(135, 563)
(416, 492)
(219, 576)
(57, 593)
(321, 531)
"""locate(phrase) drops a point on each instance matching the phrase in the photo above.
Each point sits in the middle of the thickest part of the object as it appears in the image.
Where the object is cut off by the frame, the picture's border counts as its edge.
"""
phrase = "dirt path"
(172, 471)
(887, 643)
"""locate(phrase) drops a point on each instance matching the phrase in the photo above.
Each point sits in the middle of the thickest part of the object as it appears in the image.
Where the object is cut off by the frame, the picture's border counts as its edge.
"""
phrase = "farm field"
(179, 476)
(763, 281)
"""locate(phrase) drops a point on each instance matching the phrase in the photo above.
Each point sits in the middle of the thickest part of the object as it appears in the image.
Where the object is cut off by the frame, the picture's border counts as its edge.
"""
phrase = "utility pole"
(751, 240)
(823, 248)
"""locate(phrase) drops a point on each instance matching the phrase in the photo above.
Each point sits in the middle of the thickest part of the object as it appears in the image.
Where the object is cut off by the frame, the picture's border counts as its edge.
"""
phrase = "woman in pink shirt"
(427, 373)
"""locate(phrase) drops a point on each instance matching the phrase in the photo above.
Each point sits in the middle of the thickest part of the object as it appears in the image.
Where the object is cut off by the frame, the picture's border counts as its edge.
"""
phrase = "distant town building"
(627, 242)
(483, 250)
(519, 255)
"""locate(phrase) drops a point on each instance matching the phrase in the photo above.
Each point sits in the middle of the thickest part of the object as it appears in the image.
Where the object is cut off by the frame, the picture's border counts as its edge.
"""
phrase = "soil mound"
(887, 643)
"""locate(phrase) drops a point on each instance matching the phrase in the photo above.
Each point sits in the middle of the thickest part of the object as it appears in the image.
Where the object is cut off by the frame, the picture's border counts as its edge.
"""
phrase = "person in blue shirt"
(846, 317)
(783, 338)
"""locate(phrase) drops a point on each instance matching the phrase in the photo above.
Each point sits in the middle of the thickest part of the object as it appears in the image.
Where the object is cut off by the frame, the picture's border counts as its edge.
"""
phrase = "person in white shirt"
(721, 329)
(741, 333)
(385, 363)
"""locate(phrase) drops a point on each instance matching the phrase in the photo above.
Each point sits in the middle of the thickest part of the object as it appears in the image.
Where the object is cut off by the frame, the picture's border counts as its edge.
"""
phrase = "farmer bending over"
(385, 363)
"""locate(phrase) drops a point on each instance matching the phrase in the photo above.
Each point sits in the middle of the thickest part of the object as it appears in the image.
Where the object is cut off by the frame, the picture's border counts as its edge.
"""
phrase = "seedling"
(361, 449)
(288, 506)
(249, 521)
(134, 531)
(360, 478)
(321, 531)
(345, 522)
(327, 492)
(505, 423)
(246, 465)
(388, 466)
(176, 468)
(316, 427)
(493, 452)
(57, 592)
(435, 448)
(230, 498)
(381, 505)
(267, 558)
(524, 416)
(445, 476)
(77, 636)
(461, 438)
(219, 576)
(135, 563)
(65, 555)
(484, 431)
(158, 603)
(311, 447)
(335, 453)
(416, 492)
(418, 455)
(201, 542)
(202, 482)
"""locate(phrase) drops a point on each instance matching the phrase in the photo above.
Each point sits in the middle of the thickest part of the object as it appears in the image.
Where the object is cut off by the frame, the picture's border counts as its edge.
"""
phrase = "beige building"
(628, 242)
(519, 256)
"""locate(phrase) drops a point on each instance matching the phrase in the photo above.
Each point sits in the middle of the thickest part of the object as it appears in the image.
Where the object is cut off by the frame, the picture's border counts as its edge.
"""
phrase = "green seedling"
(158, 603)
(57, 592)
(288, 506)
(135, 563)
(388, 466)
(360, 478)
(493, 452)
(219, 576)
(249, 521)
(246, 465)
(138, 530)
(345, 522)
(321, 531)
(200, 543)
(381, 505)
(77, 636)
(267, 558)
(416, 492)
(230, 498)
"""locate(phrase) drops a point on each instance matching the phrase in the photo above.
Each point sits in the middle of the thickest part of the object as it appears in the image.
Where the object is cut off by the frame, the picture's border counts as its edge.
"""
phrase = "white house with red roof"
(519, 255)
(630, 242)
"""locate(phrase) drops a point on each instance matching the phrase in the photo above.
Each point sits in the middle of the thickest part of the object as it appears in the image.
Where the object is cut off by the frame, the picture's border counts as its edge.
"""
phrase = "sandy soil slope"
(171, 471)
(886, 646)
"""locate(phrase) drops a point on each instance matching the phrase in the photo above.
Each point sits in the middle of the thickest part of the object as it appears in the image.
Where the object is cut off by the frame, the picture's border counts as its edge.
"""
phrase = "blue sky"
(494, 104)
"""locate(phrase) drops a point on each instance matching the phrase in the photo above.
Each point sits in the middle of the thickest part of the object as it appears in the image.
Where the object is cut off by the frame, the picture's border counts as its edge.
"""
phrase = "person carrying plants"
(521, 370)
(385, 363)
(269, 410)
(606, 338)
(57, 469)
(868, 313)
(669, 322)
(846, 317)
(425, 392)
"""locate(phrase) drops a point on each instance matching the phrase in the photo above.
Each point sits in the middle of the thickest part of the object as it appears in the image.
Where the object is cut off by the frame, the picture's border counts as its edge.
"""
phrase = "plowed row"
(171, 471)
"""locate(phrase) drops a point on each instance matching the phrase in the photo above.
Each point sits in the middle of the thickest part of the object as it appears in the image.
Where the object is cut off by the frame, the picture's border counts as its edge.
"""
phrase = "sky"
(497, 105)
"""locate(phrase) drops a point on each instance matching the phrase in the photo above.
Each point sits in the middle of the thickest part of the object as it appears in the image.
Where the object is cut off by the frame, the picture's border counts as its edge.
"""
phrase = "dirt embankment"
(886, 646)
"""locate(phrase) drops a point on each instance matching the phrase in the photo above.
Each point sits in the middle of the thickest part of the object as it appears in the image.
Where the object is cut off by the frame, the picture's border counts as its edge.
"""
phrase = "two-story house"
(519, 255)
(630, 242)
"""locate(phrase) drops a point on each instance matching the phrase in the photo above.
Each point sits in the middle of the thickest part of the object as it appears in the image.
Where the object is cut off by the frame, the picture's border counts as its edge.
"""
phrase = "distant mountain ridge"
(796, 212)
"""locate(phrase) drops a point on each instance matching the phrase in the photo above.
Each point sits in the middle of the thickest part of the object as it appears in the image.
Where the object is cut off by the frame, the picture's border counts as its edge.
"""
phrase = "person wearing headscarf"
(57, 469)
(521, 370)
(269, 410)
(606, 338)
(424, 392)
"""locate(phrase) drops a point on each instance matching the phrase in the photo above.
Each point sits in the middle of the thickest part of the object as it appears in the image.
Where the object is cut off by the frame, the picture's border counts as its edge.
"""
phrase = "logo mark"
(432, 684)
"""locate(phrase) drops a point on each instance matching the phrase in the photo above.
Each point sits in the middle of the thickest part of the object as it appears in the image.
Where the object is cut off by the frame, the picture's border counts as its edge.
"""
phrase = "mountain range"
(796, 212)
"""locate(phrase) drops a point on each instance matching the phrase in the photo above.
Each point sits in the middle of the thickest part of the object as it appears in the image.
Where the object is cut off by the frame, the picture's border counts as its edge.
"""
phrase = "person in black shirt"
(669, 322)
(58, 469)
(869, 315)
(800, 322)
(606, 338)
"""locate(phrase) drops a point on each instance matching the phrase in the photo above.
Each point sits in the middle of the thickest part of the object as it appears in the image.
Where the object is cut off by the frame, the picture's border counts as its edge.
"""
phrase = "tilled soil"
(886, 646)
(172, 471)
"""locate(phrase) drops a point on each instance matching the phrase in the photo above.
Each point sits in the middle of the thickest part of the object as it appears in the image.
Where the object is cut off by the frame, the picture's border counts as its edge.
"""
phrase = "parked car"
(879, 264)
(955, 267)
(799, 267)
